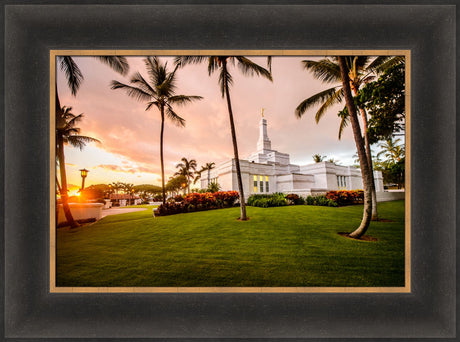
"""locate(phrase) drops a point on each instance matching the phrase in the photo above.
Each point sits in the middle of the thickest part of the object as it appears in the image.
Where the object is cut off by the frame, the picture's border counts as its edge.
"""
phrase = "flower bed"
(346, 197)
(199, 201)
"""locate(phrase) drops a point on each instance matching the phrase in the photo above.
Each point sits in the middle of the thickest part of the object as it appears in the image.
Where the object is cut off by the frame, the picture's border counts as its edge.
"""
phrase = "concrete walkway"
(116, 211)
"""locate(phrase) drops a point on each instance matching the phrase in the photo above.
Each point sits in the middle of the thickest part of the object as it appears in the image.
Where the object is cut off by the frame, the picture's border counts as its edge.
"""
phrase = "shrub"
(346, 197)
(170, 208)
(226, 198)
(213, 187)
(321, 201)
(295, 199)
(264, 201)
(178, 198)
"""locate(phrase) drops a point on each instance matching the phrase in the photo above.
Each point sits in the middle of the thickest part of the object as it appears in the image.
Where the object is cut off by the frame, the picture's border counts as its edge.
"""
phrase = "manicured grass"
(284, 246)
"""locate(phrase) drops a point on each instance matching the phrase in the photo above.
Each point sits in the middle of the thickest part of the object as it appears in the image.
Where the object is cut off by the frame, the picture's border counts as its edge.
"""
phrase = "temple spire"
(264, 142)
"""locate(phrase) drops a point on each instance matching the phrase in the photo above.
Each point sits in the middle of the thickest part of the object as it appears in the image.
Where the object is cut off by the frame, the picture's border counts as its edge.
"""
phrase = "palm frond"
(80, 141)
(269, 63)
(134, 92)
(151, 104)
(319, 98)
(213, 64)
(381, 63)
(183, 99)
(181, 61)
(325, 70)
(139, 81)
(156, 71)
(361, 62)
(72, 72)
(248, 67)
(174, 117)
(330, 101)
(117, 63)
(225, 80)
(368, 79)
(72, 119)
(343, 123)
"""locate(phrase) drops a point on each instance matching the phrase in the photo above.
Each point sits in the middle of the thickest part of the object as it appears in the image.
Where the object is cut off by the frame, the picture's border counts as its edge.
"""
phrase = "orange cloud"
(118, 168)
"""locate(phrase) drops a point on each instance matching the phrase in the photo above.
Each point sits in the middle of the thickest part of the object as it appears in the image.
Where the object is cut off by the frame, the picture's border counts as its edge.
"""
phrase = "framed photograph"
(220, 255)
(207, 183)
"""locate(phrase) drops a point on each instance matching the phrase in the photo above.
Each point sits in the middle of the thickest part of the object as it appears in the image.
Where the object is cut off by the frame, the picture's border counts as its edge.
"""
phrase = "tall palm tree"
(207, 167)
(68, 133)
(361, 70)
(158, 91)
(247, 67)
(187, 169)
(74, 79)
(360, 146)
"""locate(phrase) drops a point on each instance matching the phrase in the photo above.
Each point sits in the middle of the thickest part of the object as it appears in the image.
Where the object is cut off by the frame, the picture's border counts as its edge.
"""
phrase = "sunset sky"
(129, 135)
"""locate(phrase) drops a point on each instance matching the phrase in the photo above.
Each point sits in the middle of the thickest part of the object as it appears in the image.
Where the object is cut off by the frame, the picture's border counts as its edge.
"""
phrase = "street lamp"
(84, 173)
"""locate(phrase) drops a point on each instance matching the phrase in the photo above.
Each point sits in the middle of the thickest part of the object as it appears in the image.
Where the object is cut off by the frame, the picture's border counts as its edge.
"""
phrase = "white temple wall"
(282, 176)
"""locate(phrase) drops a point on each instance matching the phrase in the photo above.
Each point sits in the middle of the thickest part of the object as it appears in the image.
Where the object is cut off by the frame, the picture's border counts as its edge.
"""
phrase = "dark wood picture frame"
(35, 28)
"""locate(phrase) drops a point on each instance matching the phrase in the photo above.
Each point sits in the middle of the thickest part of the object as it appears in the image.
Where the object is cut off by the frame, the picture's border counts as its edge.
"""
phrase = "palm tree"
(187, 169)
(158, 91)
(247, 67)
(318, 158)
(74, 78)
(207, 167)
(361, 70)
(128, 188)
(360, 146)
(68, 133)
(391, 150)
(116, 186)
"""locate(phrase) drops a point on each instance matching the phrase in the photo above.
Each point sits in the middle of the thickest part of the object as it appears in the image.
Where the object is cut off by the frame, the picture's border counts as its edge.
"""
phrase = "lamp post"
(84, 173)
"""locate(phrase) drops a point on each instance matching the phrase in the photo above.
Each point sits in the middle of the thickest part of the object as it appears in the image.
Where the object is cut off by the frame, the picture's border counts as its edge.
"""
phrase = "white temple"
(267, 171)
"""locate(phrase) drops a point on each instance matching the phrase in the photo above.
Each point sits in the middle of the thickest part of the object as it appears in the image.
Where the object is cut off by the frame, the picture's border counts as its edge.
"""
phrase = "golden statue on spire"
(263, 112)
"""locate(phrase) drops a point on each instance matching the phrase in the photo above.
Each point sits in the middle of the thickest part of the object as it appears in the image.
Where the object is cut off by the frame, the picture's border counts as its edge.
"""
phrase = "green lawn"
(284, 246)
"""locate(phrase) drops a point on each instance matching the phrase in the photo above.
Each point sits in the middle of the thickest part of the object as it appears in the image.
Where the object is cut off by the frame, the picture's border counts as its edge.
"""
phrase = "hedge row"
(198, 201)
(225, 199)
(331, 199)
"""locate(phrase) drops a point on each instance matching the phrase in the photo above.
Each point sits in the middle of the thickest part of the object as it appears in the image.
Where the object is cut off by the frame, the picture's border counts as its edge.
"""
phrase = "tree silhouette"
(247, 67)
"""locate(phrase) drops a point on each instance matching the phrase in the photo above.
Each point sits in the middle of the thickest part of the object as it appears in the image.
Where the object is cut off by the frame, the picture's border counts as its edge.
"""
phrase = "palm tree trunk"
(61, 160)
(163, 189)
(375, 216)
(365, 171)
(64, 195)
(235, 146)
